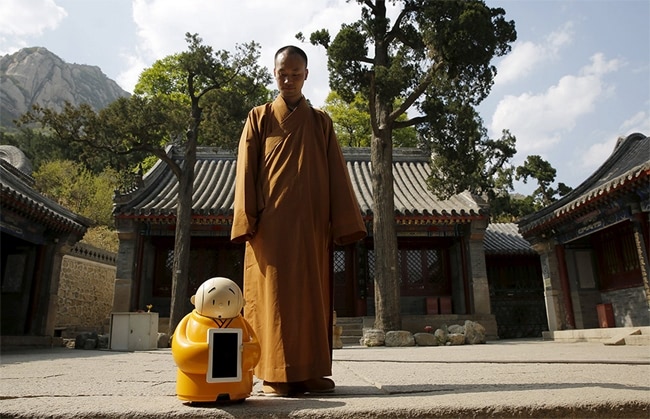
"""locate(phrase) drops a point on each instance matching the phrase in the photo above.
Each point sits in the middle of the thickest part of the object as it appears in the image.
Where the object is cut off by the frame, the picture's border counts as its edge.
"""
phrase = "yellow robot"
(214, 347)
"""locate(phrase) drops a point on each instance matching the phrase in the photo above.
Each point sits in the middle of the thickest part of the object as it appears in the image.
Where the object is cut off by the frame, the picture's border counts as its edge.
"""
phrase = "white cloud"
(597, 153)
(540, 120)
(29, 17)
(129, 78)
(525, 57)
(639, 122)
(162, 24)
(599, 65)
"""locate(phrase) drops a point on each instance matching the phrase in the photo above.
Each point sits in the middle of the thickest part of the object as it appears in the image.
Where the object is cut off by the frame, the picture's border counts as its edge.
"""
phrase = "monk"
(293, 198)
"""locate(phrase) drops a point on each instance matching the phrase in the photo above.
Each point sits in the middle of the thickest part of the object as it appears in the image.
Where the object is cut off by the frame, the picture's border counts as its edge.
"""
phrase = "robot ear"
(193, 299)
(243, 302)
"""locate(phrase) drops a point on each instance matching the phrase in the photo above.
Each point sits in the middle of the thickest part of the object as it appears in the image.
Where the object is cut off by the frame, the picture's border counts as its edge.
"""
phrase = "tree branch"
(415, 94)
(409, 122)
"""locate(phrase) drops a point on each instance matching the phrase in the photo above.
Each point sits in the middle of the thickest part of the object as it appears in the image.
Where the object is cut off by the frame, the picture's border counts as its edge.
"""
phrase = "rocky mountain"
(35, 75)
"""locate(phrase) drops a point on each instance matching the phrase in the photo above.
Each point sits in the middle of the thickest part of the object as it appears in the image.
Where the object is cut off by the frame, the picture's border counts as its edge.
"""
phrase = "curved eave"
(40, 212)
(591, 200)
(625, 171)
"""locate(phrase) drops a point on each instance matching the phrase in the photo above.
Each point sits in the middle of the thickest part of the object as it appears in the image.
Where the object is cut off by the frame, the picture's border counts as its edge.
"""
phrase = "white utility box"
(134, 331)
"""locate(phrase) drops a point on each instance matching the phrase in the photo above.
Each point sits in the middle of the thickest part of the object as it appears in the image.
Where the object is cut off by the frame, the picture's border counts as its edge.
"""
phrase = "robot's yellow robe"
(293, 198)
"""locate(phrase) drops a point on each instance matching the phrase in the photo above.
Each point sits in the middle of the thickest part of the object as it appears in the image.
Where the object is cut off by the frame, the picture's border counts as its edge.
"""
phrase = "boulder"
(456, 328)
(425, 339)
(86, 340)
(456, 339)
(441, 336)
(399, 338)
(373, 337)
(474, 333)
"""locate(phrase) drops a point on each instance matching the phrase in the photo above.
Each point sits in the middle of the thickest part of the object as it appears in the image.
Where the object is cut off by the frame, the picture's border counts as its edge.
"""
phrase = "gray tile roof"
(627, 167)
(215, 176)
(504, 239)
(213, 194)
(17, 194)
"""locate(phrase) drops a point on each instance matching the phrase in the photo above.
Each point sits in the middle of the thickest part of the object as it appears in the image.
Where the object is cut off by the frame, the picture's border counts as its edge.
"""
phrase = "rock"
(441, 336)
(102, 342)
(474, 333)
(163, 340)
(425, 339)
(373, 337)
(80, 340)
(336, 334)
(90, 344)
(456, 339)
(456, 328)
(35, 75)
(399, 338)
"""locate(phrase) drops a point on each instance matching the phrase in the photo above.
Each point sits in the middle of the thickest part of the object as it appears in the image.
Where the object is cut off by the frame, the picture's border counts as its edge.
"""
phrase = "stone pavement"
(503, 379)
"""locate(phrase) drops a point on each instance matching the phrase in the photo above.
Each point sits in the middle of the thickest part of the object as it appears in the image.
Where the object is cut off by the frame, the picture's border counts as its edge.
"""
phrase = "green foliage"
(165, 78)
(165, 109)
(351, 120)
(435, 59)
(199, 96)
(102, 237)
(73, 186)
(507, 208)
(539, 169)
(352, 123)
(37, 146)
(227, 84)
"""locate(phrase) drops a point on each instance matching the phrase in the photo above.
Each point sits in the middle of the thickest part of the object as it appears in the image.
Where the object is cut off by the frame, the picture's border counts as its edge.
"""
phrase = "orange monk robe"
(293, 196)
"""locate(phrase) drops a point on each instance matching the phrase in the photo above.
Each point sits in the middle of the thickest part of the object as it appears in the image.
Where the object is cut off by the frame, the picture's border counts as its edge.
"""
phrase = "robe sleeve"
(245, 205)
(345, 215)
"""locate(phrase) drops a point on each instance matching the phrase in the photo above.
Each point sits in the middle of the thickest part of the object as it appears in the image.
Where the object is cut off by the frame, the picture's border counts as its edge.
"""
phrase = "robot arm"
(190, 356)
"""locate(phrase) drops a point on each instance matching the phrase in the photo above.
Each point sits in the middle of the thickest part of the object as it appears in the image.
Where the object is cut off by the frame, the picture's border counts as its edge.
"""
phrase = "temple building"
(441, 260)
(36, 233)
(593, 244)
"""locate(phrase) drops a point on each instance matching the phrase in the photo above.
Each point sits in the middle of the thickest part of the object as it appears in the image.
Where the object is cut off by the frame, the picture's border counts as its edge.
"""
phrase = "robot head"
(219, 298)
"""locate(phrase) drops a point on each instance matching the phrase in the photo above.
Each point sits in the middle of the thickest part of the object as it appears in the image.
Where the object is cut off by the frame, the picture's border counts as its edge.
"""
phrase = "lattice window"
(169, 261)
(370, 283)
(422, 271)
(617, 257)
(339, 266)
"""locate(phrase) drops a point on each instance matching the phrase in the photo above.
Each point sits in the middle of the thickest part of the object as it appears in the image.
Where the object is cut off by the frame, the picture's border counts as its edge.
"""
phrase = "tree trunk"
(387, 290)
(180, 274)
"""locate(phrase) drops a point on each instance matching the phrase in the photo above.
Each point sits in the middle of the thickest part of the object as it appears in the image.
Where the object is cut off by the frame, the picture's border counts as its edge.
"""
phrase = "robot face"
(219, 298)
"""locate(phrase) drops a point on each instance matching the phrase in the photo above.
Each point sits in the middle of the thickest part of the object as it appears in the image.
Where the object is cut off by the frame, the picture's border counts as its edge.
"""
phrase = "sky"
(577, 78)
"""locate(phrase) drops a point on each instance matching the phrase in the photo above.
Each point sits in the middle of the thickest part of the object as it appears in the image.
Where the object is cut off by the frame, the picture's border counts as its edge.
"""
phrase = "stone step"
(356, 328)
(351, 326)
(352, 330)
(608, 336)
(349, 320)
(638, 340)
(350, 340)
